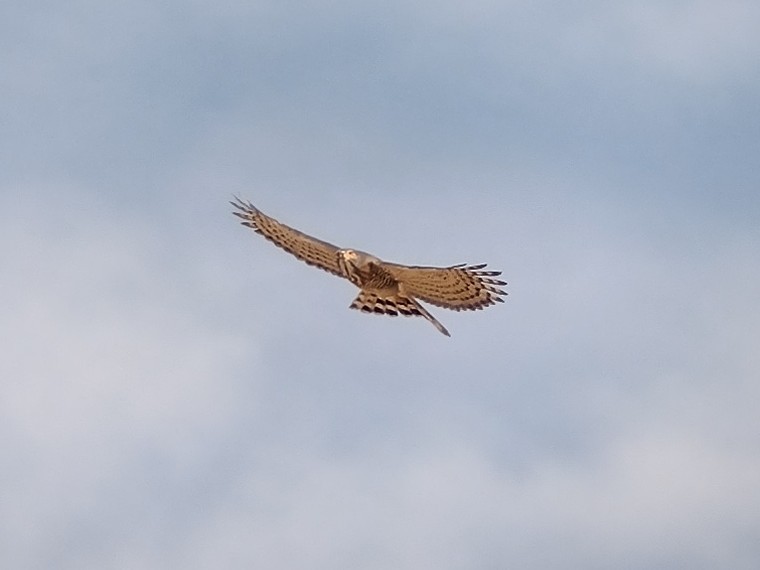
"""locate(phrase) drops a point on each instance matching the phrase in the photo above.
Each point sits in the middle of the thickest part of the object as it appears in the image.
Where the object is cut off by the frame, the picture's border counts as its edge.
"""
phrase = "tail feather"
(393, 306)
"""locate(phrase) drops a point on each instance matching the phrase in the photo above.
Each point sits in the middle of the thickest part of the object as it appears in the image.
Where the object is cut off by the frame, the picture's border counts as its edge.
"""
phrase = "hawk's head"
(348, 255)
(348, 263)
(353, 262)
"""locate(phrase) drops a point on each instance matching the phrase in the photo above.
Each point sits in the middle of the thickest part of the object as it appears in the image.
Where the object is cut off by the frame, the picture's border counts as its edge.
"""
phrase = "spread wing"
(305, 247)
(459, 287)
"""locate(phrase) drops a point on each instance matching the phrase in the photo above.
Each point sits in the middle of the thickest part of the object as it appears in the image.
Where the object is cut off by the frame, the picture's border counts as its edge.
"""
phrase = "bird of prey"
(384, 288)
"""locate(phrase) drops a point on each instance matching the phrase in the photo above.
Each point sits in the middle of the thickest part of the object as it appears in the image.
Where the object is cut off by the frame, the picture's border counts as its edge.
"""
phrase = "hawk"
(384, 288)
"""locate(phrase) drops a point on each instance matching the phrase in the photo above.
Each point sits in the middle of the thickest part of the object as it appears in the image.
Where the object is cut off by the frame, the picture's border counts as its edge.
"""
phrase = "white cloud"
(702, 42)
(652, 497)
(705, 41)
(151, 409)
(107, 363)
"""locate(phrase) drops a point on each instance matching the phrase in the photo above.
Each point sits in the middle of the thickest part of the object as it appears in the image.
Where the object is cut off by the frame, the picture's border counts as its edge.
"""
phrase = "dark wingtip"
(243, 205)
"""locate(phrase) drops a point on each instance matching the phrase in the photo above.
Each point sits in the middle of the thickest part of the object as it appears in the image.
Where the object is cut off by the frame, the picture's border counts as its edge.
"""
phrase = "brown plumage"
(386, 288)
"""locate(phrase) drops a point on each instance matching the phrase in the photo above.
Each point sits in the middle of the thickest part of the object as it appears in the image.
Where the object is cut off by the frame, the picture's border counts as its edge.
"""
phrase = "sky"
(175, 392)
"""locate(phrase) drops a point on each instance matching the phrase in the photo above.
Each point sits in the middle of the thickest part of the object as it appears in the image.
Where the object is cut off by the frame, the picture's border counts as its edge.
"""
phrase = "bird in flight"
(384, 288)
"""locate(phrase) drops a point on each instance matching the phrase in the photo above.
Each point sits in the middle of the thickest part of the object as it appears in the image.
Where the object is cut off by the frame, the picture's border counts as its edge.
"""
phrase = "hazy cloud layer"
(178, 393)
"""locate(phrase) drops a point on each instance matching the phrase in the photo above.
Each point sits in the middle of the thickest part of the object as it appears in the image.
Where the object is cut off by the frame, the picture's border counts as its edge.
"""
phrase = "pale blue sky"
(176, 392)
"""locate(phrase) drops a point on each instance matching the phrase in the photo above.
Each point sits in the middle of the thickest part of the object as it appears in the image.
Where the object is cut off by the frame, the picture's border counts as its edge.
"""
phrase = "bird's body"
(385, 288)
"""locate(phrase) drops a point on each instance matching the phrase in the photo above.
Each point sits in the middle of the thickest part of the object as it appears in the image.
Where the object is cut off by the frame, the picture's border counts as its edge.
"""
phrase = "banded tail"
(393, 306)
